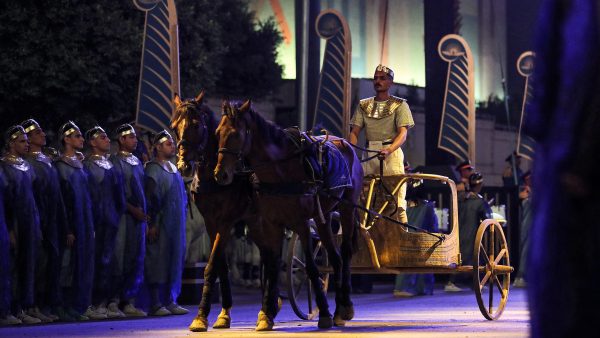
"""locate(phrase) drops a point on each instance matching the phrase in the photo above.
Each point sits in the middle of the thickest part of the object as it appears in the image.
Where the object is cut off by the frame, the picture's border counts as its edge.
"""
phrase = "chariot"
(386, 247)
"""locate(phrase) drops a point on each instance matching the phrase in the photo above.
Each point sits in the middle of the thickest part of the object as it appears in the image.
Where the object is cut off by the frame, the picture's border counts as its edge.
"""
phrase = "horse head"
(234, 140)
(190, 124)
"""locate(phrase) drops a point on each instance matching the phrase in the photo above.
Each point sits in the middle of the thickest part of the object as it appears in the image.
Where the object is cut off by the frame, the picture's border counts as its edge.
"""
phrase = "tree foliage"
(80, 60)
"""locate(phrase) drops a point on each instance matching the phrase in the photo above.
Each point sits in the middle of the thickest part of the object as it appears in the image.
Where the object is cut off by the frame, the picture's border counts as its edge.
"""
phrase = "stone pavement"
(378, 314)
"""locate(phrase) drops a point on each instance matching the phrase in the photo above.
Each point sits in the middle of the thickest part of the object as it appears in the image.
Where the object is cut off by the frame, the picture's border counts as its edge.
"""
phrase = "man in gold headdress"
(386, 120)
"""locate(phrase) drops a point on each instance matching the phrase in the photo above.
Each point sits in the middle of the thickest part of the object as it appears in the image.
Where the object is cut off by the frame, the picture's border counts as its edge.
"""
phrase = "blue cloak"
(5, 289)
(108, 200)
(166, 202)
(24, 220)
(52, 220)
(472, 210)
(79, 272)
(131, 239)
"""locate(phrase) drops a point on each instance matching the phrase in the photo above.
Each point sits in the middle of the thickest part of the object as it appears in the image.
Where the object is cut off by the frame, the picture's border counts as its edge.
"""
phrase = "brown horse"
(288, 196)
(222, 207)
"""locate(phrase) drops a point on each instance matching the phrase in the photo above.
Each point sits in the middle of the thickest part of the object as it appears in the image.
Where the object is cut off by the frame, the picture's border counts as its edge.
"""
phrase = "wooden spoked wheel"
(300, 291)
(491, 269)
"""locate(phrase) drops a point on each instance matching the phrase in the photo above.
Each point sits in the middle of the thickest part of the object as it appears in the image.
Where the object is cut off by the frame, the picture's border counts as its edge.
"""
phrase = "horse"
(289, 196)
(222, 207)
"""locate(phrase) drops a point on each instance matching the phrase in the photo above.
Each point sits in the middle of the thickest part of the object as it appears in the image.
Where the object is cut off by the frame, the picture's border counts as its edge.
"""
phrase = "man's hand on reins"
(385, 152)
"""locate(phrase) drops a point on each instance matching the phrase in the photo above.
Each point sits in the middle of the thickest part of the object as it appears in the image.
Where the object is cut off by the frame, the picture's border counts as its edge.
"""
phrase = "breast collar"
(16, 162)
(167, 166)
(72, 161)
(101, 161)
(369, 107)
(129, 158)
(41, 157)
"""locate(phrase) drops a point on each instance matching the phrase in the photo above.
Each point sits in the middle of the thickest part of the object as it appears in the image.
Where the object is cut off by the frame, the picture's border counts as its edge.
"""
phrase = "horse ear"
(245, 106)
(177, 100)
(176, 115)
(200, 97)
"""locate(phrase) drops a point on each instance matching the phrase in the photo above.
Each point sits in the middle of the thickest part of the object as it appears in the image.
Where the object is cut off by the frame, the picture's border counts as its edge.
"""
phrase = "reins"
(376, 214)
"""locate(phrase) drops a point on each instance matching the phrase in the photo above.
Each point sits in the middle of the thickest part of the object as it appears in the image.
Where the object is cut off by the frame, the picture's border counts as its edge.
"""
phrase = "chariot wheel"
(300, 291)
(491, 269)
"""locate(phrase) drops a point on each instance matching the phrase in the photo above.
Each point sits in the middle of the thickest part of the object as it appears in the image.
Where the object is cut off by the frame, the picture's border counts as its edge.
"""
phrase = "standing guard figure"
(472, 210)
(6, 318)
(166, 201)
(108, 200)
(23, 222)
(130, 249)
(52, 222)
(78, 262)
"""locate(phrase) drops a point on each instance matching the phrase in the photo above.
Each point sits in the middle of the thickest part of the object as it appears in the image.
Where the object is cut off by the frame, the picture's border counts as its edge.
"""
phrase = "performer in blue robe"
(108, 200)
(421, 213)
(472, 210)
(6, 318)
(25, 221)
(525, 225)
(78, 261)
(52, 221)
(130, 249)
(166, 201)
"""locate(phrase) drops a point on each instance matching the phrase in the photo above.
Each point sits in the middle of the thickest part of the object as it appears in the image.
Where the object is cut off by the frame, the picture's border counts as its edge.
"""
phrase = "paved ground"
(377, 315)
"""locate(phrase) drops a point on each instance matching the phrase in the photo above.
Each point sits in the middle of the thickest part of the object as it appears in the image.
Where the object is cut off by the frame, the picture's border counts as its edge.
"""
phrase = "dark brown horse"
(289, 197)
(222, 207)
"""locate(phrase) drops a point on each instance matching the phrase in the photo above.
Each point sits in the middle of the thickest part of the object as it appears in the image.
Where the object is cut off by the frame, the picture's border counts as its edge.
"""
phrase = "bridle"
(199, 150)
(239, 154)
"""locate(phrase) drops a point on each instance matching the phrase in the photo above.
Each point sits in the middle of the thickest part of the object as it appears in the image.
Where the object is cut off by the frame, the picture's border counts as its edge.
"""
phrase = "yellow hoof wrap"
(199, 324)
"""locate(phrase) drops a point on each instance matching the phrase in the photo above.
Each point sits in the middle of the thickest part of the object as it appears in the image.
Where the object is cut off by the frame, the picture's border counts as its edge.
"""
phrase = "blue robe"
(472, 210)
(79, 272)
(26, 223)
(131, 239)
(166, 201)
(525, 225)
(108, 200)
(5, 289)
(423, 216)
(52, 221)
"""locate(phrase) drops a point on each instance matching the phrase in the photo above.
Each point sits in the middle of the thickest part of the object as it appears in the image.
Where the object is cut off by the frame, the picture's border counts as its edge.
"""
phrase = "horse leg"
(327, 239)
(224, 319)
(325, 319)
(200, 322)
(347, 218)
(271, 257)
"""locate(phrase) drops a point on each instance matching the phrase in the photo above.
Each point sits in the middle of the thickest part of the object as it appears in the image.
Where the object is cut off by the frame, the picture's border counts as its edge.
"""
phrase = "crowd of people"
(79, 235)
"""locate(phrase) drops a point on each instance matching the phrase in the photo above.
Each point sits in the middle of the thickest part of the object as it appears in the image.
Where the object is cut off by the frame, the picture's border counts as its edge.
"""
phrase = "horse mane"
(269, 131)
(212, 122)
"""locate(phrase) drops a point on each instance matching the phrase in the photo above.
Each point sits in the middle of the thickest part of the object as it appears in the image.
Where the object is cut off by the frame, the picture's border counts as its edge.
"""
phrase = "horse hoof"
(264, 323)
(345, 312)
(325, 322)
(338, 321)
(223, 322)
(199, 324)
